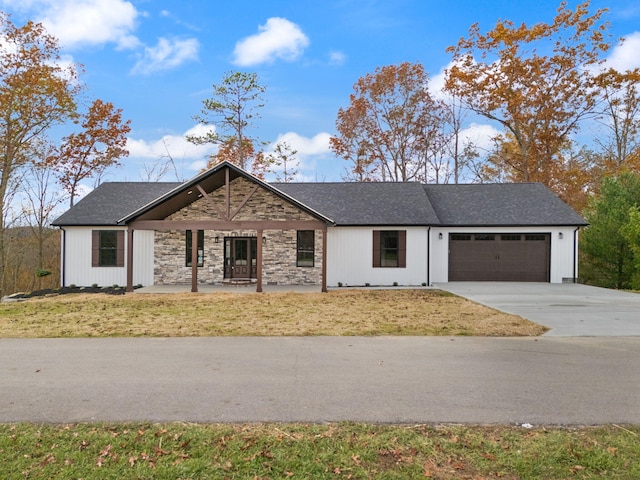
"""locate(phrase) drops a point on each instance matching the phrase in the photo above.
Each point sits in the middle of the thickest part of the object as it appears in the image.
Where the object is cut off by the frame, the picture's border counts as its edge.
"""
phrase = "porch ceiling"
(186, 194)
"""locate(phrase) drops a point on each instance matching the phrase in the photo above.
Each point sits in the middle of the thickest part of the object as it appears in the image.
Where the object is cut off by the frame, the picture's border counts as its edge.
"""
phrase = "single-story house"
(225, 225)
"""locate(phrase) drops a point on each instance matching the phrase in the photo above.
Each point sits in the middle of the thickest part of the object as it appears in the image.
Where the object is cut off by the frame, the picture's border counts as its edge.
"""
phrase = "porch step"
(240, 281)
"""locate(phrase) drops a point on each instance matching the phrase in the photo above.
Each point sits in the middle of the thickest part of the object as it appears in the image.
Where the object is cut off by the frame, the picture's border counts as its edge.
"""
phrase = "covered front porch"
(208, 254)
(226, 226)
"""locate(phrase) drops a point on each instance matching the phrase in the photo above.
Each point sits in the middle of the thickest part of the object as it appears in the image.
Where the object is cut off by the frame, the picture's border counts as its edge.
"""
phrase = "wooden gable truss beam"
(212, 203)
(246, 198)
(227, 222)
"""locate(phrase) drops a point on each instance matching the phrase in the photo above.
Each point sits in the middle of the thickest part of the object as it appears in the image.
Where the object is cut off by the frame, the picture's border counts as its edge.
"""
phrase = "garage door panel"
(499, 257)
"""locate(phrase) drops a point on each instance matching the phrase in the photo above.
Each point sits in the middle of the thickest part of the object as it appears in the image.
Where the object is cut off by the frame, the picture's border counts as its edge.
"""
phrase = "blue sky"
(157, 60)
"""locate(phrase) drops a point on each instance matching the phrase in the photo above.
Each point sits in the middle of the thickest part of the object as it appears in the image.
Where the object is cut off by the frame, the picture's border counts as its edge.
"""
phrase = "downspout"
(429, 257)
(63, 258)
(575, 254)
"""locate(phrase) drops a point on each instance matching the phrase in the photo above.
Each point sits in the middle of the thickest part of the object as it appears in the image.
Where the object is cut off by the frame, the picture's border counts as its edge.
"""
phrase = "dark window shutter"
(95, 248)
(376, 248)
(120, 249)
(402, 248)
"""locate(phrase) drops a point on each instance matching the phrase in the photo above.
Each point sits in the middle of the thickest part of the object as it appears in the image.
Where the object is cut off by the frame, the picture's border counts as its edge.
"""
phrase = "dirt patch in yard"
(352, 312)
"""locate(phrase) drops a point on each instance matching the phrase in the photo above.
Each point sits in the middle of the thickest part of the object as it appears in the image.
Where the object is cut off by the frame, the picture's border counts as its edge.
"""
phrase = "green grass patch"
(342, 450)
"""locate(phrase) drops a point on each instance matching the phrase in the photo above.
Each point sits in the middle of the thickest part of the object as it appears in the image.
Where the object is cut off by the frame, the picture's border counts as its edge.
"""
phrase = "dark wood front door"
(240, 257)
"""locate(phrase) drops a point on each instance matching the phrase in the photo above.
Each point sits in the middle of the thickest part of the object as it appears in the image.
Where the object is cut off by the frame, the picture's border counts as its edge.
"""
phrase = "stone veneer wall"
(278, 250)
(279, 260)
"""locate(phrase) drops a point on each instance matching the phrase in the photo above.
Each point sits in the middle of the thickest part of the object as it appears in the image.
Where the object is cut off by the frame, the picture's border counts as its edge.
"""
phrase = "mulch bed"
(48, 292)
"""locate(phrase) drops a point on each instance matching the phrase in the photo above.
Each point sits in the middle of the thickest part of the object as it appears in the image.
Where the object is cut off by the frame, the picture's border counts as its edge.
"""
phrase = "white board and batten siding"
(350, 258)
(562, 249)
(77, 259)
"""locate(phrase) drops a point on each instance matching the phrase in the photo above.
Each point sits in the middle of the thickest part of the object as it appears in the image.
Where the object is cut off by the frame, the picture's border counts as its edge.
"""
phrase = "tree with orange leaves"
(537, 82)
(100, 144)
(36, 93)
(392, 125)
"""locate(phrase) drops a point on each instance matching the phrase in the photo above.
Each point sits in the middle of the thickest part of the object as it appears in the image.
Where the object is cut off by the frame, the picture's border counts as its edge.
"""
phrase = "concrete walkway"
(373, 379)
(568, 309)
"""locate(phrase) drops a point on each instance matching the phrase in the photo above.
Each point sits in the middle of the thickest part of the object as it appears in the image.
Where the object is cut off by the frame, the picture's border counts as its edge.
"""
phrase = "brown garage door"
(521, 257)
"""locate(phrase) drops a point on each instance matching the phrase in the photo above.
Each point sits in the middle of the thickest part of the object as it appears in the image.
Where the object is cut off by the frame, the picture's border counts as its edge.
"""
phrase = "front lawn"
(343, 312)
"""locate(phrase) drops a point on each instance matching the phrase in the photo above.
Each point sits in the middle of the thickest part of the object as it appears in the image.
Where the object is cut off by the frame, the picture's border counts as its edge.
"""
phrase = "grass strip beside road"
(348, 312)
(342, 450)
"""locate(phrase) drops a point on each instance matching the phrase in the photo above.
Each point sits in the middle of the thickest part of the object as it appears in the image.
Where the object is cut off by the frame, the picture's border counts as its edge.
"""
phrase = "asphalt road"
(544, 380)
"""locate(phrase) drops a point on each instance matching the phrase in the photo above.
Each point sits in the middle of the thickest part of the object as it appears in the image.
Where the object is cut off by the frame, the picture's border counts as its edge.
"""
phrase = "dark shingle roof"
(365, 203)
(402, 204)
(111, 201)
(500, 204)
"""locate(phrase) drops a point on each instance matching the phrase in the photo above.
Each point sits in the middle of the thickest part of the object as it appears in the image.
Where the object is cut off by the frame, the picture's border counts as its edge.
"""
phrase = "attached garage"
(499, 257)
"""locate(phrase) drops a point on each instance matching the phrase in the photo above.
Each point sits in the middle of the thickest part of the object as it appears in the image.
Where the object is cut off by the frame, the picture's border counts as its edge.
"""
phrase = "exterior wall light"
(560, 235)
(440, 235)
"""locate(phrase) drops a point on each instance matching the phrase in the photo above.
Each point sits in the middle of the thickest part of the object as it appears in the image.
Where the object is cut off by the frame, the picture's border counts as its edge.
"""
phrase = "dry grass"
(349, 312)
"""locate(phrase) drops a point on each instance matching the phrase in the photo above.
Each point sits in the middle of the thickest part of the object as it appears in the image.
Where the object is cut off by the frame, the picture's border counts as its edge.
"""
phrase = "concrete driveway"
(570, 310)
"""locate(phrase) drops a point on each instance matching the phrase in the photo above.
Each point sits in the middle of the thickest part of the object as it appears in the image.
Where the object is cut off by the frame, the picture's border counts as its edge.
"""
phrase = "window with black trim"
(188, 248)
(389, 248)
(305, 248)
(107, 248)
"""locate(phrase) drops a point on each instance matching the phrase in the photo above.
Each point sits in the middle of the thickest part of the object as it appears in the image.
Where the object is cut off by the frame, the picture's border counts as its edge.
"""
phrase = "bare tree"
(157, 171)
(284, 157)
(40, 202)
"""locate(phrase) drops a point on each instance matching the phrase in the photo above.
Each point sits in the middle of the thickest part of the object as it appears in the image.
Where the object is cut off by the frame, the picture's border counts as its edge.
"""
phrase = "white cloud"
(79, 23)
(436, 82)
(306, 147)
(337, 58)
(176, 146)
(278, 39)
(625, 56)
(309, 150)
(480, 135)
(167, 54)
